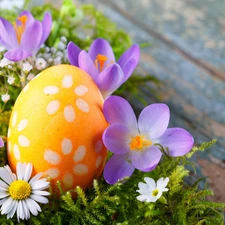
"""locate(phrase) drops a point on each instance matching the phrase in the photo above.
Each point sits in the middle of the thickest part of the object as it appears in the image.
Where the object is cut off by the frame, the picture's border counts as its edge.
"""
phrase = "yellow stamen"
(19, 189)
(155, 192)
(101, 59)
(19, 29)
(137, 143)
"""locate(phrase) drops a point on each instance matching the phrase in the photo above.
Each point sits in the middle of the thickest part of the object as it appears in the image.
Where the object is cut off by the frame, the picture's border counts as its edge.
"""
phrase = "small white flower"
(63, 39)
(61, 46)
(20, 193)
(151, 191)
(5, 97)
(5, 62)
(30, 76)
(10, 80)
(40, 64)
(57, 60)
(27, 67)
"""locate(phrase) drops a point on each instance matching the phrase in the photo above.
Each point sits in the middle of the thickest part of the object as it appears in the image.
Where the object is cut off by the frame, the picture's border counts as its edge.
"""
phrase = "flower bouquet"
(72, 150)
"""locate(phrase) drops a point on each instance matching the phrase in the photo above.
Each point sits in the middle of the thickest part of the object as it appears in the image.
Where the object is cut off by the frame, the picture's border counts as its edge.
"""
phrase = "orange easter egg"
(57, 125)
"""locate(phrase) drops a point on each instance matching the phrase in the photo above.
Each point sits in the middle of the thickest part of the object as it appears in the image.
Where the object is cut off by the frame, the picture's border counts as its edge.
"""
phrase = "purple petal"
(117, 138)
(1, 143)
(129, 60)
(109, 79)
(86, 64)
(31, 37)
(30, 18)
(73, 53)
(7, 34)
(118, 110)
(178, 140)
(46, 27)
(102, 47)
(17, 54)
(146, 159)
(117, 168)
(153, 120)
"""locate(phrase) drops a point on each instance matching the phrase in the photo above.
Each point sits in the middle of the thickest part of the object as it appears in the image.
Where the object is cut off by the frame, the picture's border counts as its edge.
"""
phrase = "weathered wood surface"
(187, 54)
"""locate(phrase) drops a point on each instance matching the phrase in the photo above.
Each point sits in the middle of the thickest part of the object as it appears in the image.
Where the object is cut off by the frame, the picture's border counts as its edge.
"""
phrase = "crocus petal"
(46, 26)
(31, 37)
(17, 54)
(146, 159)
(129, 60)
(6, 34)
(116, 138)
(117, 168)
(86, 64)
(1, 143)
(73, 53)
(177, 140)
(30, 18)
(102, 47)
(154, 120)
(118, 110)
(109, 79)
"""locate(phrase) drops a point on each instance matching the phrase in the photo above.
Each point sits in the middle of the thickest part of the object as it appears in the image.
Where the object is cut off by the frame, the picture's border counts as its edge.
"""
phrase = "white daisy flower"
(19, 193)
(151, 191)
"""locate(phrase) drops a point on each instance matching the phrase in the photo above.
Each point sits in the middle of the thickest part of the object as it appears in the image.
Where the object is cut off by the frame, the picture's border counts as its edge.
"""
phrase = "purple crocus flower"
(100, 64)
(134, 143)
(24, 37)
(1, 143)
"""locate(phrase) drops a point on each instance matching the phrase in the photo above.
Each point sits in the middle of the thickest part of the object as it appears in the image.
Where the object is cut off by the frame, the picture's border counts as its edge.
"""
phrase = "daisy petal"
(13, 210)
(28, 172)
(116, 138)
(117, 168)
(40, 184)
(39, 198)
(33, 206)
(35, 178)
(129, 60)
(177, 140)
(86, 64)
(3, 194)
(150, 183)
(102, 47)
(7, 206)
(73, 53)
(146, 159)
(162, 183)
(45, 193)
(118, 110)
(154, 120)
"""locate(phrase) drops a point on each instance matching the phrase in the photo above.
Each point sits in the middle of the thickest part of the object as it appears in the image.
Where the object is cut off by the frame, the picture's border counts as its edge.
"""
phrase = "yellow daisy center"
(155, 192)
(137, 143)
(19, 189)
(20, 29)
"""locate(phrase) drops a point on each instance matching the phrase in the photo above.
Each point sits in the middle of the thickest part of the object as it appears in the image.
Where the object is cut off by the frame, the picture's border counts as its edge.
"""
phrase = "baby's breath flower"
(61, 46)
(151, 191)
(27, 67)
(63, 39)
(5, 62)
(20, 193)
(5, 98)
(40, 64)
(30, 76)
(10, 80)
(57, 60)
